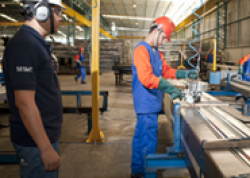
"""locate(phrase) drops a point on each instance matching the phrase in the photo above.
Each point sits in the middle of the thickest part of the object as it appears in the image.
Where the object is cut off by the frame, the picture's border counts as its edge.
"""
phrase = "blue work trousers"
(31, 164)
(82, 73)
(144, 141)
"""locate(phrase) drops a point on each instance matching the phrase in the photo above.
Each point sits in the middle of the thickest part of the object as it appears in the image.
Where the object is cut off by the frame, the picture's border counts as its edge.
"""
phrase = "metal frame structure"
(11, 157)
(188, 150)
(221, 26)
(221, 30)
(173, 159)
(228, 91)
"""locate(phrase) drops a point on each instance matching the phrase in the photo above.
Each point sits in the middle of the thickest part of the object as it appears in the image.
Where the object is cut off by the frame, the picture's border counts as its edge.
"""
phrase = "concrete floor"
(108, 160)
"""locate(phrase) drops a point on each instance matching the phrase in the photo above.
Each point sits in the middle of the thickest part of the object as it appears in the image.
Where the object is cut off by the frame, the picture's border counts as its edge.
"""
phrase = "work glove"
(182, 74)
(240, 71)
(167, 87)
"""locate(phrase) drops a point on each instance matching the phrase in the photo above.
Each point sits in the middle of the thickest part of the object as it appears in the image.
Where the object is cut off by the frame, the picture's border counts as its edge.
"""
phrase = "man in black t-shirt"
(33, 91)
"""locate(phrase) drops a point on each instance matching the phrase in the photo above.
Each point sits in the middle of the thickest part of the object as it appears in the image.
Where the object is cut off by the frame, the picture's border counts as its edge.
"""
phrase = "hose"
(190, 43)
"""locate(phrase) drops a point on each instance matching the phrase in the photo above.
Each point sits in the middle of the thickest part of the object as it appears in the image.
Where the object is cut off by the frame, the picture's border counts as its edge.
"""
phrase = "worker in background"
(210, 56)
(79, 59)
(244, 67)
(150, 70)
(33, 90)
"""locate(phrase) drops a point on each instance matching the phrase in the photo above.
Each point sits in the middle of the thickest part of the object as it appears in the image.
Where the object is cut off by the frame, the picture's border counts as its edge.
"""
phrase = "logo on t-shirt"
(24, 69)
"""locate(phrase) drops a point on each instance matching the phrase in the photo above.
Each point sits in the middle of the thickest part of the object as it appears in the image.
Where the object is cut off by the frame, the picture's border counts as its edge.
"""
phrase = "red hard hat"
(166, 25)
(81, 49)
(210, 50)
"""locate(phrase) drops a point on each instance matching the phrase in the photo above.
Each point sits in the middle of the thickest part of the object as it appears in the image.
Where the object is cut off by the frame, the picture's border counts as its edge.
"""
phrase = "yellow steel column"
(214, 52)
(96, 134)
(182, 56)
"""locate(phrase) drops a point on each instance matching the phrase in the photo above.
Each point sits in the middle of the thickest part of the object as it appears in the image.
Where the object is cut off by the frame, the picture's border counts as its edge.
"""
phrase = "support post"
(96, 134)
(177, 130)
(90, 33)
(68, 34)
(86, 32)
(73, 41)
(214, 52)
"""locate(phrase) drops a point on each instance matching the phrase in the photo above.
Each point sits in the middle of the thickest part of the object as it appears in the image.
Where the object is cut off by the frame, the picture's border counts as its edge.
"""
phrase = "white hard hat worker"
(43, 11)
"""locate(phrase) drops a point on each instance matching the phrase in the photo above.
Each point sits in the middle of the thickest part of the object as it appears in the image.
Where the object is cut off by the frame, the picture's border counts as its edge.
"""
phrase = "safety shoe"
(83, 82)
(137, 175)
(76, 79)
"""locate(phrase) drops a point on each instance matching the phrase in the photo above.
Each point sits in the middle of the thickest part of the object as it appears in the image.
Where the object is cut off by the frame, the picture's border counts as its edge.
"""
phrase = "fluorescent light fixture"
(127, 17)
(113, 27)
(131, 29)
(8, 17)
(79, 28)
(61, 33)
(134, 6)
(136, 23)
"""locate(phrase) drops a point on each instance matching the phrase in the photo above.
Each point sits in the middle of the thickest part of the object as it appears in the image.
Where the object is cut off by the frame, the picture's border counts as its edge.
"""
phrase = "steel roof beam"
(70, 12)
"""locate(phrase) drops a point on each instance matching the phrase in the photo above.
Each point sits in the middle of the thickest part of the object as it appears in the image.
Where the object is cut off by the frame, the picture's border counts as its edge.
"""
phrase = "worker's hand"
(182, 74)
(167, 87)
(51, 159)
(240, 71)
(192, 75)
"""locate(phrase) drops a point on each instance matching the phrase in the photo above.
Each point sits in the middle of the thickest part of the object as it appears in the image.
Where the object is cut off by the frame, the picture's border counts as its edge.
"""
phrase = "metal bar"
(130, 37)
(238, 40)
(224, 143)
(228, 81)
(8, 157)
(163, 161)
(68, 33)
(104, 93)
(78, 98)
(85, 32)
(204, 104)
(222, 93)
(90, 33)
(214, 53)
(177, 127)
(96, 134)
(74, 19)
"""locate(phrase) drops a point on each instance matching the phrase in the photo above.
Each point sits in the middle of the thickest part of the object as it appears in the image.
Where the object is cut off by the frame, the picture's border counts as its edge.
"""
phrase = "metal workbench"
(120, 70)
(199, 148)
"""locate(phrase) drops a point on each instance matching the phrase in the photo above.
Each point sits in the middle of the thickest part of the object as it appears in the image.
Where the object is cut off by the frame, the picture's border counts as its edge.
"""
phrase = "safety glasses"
(57, 11)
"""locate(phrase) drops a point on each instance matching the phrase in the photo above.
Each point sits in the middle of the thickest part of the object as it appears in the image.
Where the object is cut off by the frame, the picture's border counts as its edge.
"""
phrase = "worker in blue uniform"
(210, 56)
(150, 70)
(244, 67)
(80, 59)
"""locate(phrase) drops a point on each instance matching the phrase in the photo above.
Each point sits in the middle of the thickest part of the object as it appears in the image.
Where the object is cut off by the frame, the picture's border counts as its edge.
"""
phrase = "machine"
(211, 139)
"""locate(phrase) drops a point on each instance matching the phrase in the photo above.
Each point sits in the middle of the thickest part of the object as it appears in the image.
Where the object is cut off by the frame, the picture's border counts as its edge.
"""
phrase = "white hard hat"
(57, 2)
(54, 2)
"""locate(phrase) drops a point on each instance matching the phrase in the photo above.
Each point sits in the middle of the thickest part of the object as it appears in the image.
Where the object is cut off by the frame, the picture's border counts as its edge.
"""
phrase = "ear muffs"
(42, 11)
